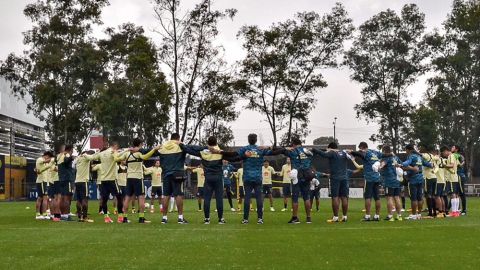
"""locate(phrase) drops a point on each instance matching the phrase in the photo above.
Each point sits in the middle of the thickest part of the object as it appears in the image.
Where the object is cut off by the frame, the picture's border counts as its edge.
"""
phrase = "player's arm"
(150, 153)
(120, 156)
(94, 157)
(193, 150)
(147, 171)
(325, 154)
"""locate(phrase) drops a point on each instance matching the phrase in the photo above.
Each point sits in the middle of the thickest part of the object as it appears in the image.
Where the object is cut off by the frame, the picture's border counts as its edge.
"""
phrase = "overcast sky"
(336, 100)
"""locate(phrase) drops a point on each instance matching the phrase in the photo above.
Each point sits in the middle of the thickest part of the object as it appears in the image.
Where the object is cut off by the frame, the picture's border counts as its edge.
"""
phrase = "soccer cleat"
(101, 213)
(245, 221)
(81, 220)
(294, 220)
(402, 210)
(182, 221)
(222, 221)
(284, 209)
(206, 221)
(126, 220)
(260, 221)
(164, 221)
(366, 219)
(389, 219)
(376, 219)
(199, 210)
(363, 210)
(464, 213)
(440, 215)
(115, 212)
(412, 217)
(88, 220)
(143, 220)
(152, 210)
(333, 220)
(120, 219)
(232, 209)
(272, 209)
(134, 211)
(56, 219)
(39, 217)
(399, 218)
(108, 220)
(309, 220)
(344, 219)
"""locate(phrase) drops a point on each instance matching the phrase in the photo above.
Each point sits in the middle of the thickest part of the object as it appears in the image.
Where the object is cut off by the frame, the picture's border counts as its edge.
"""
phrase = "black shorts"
(41, 189)
(453, 188)
(81, 191)
(109, 187)
(339, 188)
(241, 192)
(63, 188)
(392, 191)
(303, 188)
(51, 190)
(430, 186)
(172, 187)
(372, 190)
(287, 189)
(123, 190)
(199, 192)
(415, 191)
(267, 189)
(315, 194)
(156, 191)
(135, 187)
(440, 189)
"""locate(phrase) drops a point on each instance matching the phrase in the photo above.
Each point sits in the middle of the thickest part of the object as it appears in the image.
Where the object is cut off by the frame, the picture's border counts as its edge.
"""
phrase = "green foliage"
(60, 66)
(282, 69)
(324, 140)
(424, 126)
(135, 99)
(386, 58)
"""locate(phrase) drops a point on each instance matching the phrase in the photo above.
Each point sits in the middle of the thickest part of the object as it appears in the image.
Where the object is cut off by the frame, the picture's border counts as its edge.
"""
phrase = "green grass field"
(442, 244)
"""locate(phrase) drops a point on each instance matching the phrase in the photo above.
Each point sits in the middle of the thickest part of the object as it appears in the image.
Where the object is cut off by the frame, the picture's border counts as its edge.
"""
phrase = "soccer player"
(108, 174)
(388, 171)
(253, 156)
(227, 182)
(81, 186)
(338, 161)
(200, 173)
(372, 180)
(430, 179)
(267, 172)
(135, 184)
(302, 163)
(439, 163)
(56, 192)
(414, 168)
(42, 165)
(121, 180)
(240, 190)
(214, 165)
(462, 177)
(451, 177)
(156, 173)
(172, 161)
(315, 191)
(287, 183)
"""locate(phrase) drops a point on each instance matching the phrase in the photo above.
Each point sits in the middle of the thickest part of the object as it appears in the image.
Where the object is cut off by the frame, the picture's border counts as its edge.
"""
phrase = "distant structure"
(21, 134)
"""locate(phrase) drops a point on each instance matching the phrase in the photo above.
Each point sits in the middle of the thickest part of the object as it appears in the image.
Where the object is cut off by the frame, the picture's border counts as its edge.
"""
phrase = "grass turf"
(443, 244)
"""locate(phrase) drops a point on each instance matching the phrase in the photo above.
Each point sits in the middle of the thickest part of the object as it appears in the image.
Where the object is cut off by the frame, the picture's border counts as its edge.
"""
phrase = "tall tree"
(135, 99)
(423, 128)
(386, 58)
(189, 51)
(60, 66)
(455, 88)
(324, 140)
(283, 65)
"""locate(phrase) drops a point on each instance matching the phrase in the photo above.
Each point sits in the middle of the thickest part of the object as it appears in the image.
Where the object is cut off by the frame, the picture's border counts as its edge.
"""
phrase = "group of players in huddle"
(120, 173)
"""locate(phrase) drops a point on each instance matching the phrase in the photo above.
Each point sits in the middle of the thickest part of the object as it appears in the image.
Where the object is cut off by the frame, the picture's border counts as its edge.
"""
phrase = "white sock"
(180, 216)
(367, 216)
(165, 217)
(457, 204)
(390, 216)
(344, 217)
(376, 216)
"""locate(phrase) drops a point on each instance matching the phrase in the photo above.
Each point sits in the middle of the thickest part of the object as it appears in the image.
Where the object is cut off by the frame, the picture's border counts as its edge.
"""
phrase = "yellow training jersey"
(108, 159)
(135, 163)
(83, 170)
(285, 173)
(429, 173)
(440, 171)
(122, 175)
(156, 173)
(98, 168)
(267, 175)
(239, 175)
(42, 170)
(200, 176)
(451, 173)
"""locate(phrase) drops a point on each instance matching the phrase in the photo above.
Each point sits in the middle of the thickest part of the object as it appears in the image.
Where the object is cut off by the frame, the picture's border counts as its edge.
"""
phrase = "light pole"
(334, 129)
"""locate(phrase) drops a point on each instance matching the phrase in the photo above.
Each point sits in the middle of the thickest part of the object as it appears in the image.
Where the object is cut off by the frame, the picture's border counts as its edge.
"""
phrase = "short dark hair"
(386, 149)
(112, 143)
(362, 145)
(296, 141)
(48, 153)
(444, 148)
(252, 138)
(332, 145)
(175, 136)
(137, 142)
(212, 141)
(68, 147)
(266, 161)
(457, 147)
(409, 147)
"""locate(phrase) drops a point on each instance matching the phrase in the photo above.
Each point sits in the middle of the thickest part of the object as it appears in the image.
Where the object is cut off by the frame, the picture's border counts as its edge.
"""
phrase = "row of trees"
(126, 85)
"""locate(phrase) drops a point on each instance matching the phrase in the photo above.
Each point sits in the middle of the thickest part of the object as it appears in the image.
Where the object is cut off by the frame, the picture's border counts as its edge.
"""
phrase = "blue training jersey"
(227, 174)
(389, 172)
(300, 157)
(414, 160)
(252, 158)
(338, 161)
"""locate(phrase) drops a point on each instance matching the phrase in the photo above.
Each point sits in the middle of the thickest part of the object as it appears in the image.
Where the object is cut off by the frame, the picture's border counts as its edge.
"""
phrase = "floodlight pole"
(334, 129)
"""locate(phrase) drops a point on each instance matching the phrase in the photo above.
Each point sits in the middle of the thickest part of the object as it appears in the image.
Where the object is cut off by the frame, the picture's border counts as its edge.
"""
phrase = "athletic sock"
(180, 217)
(464, 202)
(165, 217)
(403, 202)
(285, 205)
(199, 206)
(429, 206)
(376, 216)
(141, 215)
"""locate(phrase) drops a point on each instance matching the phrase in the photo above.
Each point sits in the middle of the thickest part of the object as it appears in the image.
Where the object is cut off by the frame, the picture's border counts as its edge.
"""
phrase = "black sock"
(464, 202)
(429, 206)
(285, 205)
(199, 206)
(403, 202)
